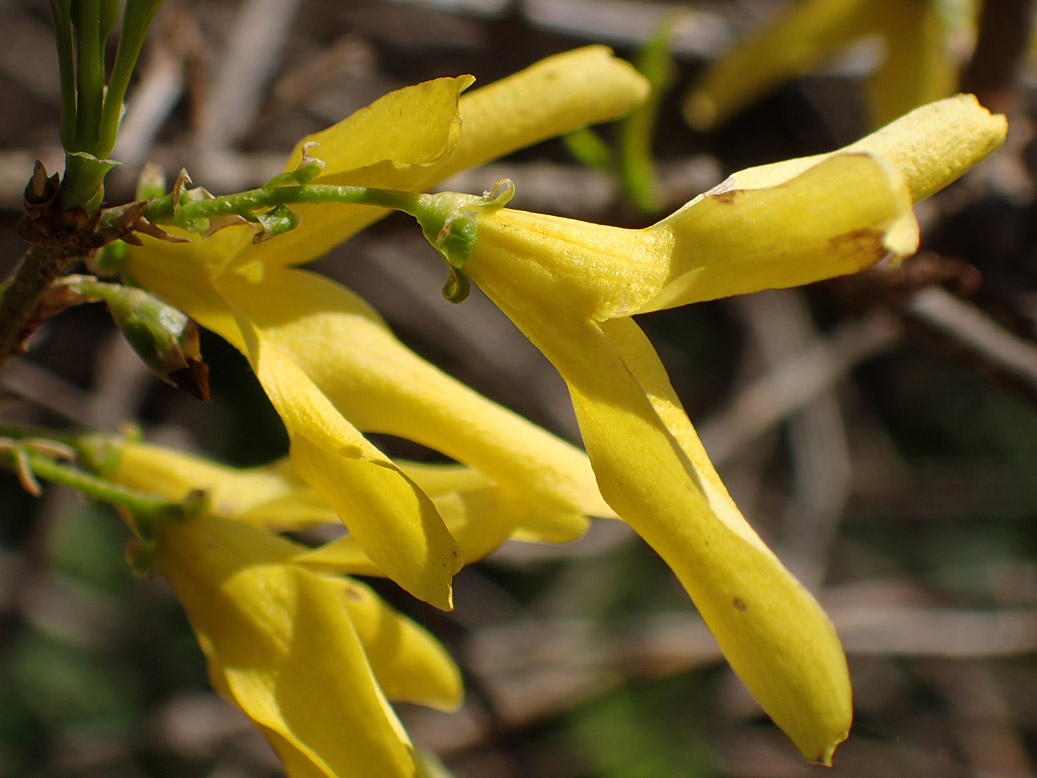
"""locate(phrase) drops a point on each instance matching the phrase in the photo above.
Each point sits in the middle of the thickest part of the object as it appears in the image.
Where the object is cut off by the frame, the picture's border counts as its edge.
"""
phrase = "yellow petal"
(350, 355)
(408, 663)
(773, 632)
(415, 137)
(918, 67)
(437, 479)
(937, 143)
(392, 519)
(593, 270)
(394, 143)
(409, 127)
(556, 95)
(271, 496)
(931, 147)
(790, 46)
(479, 520)
(281, 645)
(182, 275)
(839, 216)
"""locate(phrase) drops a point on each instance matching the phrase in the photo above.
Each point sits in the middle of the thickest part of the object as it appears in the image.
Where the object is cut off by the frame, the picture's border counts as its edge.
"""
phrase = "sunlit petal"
(392, 519)
(281, 645)
(372, 379)
(480, 521)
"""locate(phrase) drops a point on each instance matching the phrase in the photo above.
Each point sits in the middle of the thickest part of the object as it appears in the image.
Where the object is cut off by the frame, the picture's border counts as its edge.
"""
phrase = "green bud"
(277, 221)
(161, 335)
(151, 183)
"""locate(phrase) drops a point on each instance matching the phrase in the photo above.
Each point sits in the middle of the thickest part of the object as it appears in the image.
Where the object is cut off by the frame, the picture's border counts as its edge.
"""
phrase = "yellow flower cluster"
(311, 656)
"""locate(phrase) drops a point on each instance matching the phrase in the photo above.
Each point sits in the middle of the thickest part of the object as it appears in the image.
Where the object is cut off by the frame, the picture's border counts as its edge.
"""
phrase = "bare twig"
(781, 325)
(799, 379)
(966, 325)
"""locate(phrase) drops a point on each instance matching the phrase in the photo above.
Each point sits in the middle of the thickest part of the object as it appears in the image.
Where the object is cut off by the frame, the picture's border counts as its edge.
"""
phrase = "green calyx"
(450, 222)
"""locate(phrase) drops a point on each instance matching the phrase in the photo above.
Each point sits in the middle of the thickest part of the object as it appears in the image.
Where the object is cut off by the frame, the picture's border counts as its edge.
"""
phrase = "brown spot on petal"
(865, 242)
(354, 595)
(862, 237)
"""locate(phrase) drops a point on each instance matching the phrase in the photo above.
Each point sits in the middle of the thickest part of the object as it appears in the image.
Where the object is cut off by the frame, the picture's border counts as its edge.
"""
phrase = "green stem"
(137, 503)
(135, 23)
(20, 431)
(59, 11)
(89, 73)
(162, 211)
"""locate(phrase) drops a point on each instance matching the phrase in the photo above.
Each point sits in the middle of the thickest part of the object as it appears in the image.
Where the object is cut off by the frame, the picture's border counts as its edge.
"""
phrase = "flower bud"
(161, 335)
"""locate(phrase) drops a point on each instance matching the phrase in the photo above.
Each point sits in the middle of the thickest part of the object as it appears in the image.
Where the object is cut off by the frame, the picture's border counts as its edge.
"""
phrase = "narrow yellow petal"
(409, 664)
(918, 67)
(281, 645)
(931, 147)
(394, 143)
(937, 143)
(181, 274)
(791, 45)
(479, 520)
(412, 127)
(437, 479)
(554, 96)
(837, 217)
(415, 137)
(594, 270)
(271, 496)
(350, 355)
(298, 510)
(392, 519)
(773, 632)
(390, 516)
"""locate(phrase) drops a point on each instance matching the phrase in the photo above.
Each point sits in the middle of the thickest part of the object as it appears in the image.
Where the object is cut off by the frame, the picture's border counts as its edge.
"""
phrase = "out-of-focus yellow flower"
(309, 658)
(916, 65)
(329, 364)
(479, 514)
(572, 287)
(312, 658)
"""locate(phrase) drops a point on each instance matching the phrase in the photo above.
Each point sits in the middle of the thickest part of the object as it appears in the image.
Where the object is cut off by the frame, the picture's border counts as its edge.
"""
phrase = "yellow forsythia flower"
(329, 364)
(309, 658)
(572, 288)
